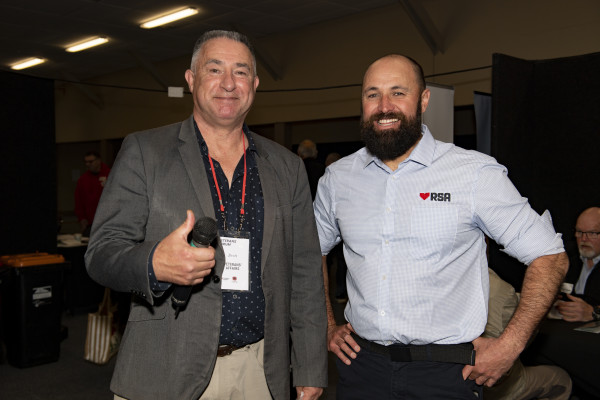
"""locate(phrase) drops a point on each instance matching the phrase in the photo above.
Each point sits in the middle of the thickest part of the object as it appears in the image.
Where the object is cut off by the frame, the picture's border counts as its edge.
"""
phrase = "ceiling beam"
(424, 24)
(263, 57)
(149, 67)
(70, 78)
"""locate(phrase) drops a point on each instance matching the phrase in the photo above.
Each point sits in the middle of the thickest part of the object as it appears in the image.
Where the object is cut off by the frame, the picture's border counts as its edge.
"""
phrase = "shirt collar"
(421, 154)
(204, 147)
(595, 260)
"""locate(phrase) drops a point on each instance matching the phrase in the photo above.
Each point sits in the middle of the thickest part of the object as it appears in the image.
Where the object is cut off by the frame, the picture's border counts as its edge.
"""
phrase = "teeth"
(387, 121)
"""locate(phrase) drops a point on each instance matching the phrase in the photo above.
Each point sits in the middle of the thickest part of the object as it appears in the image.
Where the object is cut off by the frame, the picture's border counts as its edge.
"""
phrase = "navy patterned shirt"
(243, 313)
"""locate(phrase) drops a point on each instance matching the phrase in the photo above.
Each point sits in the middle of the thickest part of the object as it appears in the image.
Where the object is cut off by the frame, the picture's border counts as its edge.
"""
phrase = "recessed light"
(165, 19)
(30, 62)
(87, 44)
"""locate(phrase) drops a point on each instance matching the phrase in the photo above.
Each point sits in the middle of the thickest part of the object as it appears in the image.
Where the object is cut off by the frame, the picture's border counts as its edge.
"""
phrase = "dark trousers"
(375, 376)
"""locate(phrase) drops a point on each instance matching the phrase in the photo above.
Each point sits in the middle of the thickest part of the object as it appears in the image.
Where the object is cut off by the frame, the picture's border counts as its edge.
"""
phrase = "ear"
(425, 99)
(189, 77)
(256, 82)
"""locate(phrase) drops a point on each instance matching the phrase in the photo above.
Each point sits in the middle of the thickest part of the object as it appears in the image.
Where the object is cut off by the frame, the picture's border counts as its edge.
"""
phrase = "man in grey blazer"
(232, 339)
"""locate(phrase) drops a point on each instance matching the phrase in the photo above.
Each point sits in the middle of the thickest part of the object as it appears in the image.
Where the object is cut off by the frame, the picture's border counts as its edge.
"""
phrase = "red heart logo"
(424, 196)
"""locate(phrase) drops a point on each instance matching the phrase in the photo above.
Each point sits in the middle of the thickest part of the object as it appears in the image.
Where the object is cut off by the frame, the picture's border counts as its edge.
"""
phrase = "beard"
(390, 144)
(586, 252)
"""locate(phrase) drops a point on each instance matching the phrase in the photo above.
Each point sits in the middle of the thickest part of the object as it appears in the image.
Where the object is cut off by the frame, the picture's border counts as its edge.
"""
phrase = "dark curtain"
(28, 165)
(546, 131)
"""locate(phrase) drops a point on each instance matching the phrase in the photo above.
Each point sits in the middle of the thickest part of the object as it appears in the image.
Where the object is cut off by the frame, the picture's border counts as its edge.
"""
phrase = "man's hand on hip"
(493, 358)
(341, 343)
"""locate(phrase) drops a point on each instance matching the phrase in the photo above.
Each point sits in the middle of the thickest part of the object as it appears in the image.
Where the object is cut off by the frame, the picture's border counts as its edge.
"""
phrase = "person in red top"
(88, 190)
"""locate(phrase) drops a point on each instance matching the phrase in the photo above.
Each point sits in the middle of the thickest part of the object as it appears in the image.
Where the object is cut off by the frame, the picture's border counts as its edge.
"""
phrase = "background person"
(89, 189)
(232, 340)
(331, 158)
(307, 150)
(584, 305)
(519, 382)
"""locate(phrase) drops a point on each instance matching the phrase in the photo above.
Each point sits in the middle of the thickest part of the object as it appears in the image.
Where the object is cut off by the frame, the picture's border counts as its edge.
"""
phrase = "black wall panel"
(27, 165)
(546, 131)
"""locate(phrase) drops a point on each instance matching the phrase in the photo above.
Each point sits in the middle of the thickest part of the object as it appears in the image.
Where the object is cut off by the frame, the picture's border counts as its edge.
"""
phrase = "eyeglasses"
(590, 235)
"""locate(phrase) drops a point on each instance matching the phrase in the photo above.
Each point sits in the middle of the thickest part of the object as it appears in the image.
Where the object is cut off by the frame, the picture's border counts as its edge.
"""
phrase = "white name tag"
(236, 274)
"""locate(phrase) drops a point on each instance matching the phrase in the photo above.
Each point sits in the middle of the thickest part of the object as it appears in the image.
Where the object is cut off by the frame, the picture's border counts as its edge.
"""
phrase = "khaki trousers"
(542, 382)
(238, 376)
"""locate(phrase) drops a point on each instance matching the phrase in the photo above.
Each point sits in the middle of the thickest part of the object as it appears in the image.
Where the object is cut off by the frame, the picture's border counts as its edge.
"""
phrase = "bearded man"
(413, 214)
(584, 272)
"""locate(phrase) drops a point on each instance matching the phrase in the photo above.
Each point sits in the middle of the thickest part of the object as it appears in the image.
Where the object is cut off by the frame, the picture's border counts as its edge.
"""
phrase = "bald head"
(401, 62)
(590, 215)
(394, 82)
(307, 149)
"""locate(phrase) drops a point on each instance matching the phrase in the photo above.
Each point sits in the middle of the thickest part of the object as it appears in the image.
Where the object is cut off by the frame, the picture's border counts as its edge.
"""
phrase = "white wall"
(439, 116)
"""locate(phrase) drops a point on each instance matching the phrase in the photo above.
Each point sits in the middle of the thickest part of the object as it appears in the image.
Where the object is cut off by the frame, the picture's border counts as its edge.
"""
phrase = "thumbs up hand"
(177, 262)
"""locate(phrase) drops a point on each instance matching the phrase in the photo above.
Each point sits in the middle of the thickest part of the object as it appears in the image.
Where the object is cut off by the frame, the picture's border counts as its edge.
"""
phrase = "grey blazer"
(157, 176)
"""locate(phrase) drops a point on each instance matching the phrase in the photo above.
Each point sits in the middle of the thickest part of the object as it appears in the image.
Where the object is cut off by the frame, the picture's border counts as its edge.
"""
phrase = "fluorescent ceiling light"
(30, 62)
(87, 44)
(165, 19)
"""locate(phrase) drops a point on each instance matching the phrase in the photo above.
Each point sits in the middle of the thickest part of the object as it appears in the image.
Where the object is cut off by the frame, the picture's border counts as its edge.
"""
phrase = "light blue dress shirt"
(585, 273)
(414, 239)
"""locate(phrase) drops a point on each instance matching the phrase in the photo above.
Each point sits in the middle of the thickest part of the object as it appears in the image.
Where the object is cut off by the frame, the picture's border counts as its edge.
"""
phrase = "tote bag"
(103, 338)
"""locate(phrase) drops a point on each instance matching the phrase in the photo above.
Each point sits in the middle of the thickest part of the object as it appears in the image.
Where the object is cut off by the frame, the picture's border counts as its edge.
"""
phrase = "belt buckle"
(225, 350)
(400, 353)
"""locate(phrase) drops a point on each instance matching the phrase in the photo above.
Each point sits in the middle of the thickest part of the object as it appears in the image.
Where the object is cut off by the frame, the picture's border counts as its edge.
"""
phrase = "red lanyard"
(221, 206)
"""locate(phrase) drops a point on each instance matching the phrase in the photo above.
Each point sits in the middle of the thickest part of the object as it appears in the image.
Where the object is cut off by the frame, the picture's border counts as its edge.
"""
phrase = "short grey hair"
(218, 34)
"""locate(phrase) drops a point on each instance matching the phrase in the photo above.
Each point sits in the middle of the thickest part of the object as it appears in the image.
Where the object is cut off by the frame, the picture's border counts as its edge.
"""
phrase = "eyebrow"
(396, 87)
(219, 62)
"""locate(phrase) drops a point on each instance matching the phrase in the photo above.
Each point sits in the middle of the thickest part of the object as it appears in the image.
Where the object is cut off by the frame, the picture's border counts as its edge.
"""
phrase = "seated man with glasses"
(584, 305)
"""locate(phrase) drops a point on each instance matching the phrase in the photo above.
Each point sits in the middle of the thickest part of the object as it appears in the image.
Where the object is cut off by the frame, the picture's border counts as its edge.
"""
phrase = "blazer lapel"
(191, 156)
(192, 160)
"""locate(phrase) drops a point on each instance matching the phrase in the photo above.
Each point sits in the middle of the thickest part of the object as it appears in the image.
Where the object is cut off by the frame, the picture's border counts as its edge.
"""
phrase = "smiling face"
(588, 221)
(392, 101)
(223, 83)
(390, 86)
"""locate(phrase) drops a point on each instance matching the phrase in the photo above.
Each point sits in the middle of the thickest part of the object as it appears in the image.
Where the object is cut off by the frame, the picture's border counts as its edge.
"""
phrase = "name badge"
(236, 274)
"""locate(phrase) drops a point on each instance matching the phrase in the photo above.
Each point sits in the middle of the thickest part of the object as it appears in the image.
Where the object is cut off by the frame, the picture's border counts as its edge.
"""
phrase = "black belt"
(462, 353)
(227, 349)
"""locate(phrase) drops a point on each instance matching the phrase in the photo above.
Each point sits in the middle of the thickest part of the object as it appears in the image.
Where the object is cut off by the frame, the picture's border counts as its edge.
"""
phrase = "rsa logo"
(435, 196)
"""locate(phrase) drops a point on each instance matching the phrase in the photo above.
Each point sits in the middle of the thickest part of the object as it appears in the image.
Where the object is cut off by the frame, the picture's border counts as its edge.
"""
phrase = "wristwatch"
(596, 313)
